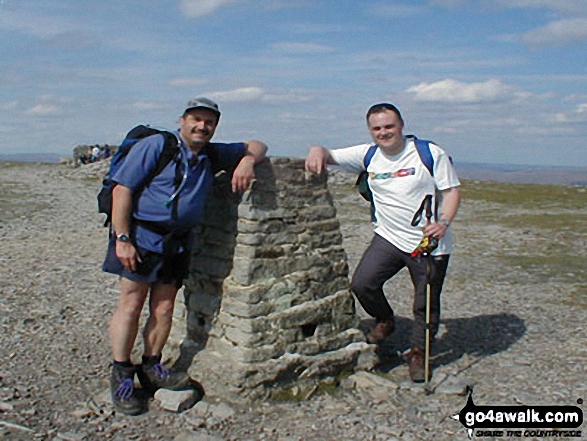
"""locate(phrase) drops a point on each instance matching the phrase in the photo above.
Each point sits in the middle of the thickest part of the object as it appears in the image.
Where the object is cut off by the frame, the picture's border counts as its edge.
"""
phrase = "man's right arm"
(318, 158)
(121, 220)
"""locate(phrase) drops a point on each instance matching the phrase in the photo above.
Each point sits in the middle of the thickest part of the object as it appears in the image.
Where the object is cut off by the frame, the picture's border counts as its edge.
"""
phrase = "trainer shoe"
(416, 366)
(381, 331)
(155, 376)
(122, 389)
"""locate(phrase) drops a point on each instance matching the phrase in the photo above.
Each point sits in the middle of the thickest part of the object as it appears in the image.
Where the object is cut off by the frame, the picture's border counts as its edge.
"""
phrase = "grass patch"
(556, 222)
(296, 393)
(96, 180)
(4, 165)
(563, 268)
(530, 196)
(556, 228)
(15, 203)
(578, 297)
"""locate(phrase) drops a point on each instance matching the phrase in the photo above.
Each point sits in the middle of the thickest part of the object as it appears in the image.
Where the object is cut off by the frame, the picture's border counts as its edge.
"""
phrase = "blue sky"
(498, 81)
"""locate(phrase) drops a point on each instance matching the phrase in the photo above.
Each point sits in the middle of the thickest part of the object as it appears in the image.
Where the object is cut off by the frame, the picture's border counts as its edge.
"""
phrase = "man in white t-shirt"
(399, 182)
(95, 154)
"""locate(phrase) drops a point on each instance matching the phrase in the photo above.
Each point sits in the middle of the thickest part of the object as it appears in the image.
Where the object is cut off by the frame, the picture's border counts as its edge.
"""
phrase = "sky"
(490, 81)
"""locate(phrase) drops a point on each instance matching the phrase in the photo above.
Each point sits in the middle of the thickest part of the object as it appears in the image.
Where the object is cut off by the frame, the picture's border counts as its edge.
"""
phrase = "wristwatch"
(444, 222)
(123, 238)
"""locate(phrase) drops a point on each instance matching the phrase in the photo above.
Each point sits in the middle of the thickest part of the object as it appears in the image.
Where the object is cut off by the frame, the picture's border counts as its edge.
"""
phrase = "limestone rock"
(177, 400)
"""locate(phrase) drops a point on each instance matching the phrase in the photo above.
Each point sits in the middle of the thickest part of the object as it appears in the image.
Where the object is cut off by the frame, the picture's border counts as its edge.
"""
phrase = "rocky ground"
(514, 325)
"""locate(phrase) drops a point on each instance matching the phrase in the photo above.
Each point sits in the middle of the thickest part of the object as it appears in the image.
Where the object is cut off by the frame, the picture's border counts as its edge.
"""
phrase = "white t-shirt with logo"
(399, 184)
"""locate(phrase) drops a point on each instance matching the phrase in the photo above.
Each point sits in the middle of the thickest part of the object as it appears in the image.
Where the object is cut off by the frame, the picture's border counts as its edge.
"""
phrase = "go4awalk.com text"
(521, 421)
(528, 433)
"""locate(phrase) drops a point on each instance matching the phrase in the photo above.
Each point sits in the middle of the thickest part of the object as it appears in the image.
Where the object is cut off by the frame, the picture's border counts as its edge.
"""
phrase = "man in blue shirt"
(152, 232)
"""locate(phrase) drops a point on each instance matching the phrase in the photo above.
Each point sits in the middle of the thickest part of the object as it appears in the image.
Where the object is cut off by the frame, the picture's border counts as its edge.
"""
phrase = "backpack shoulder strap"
(362, 181)
(423, 149)
(212, 153)
(169, 153)
(369, 155)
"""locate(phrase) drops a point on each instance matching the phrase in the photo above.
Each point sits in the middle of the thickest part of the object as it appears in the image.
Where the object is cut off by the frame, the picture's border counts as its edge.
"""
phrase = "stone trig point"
(268, 299)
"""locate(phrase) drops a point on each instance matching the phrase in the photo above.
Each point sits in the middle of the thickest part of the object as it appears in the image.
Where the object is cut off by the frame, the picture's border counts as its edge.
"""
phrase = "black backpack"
(170, 153)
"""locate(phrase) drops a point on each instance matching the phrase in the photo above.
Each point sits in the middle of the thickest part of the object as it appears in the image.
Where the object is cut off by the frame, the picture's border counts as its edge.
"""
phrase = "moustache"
(201, 131)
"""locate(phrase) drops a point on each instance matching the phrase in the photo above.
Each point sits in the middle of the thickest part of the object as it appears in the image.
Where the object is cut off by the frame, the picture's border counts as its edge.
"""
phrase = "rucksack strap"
(213, 157)
(369, 155)
(425, 209)
(171, 241)
(423, 149)
(169, 153)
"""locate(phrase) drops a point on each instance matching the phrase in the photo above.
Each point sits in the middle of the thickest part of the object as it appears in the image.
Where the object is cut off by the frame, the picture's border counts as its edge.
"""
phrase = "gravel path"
(514, 332)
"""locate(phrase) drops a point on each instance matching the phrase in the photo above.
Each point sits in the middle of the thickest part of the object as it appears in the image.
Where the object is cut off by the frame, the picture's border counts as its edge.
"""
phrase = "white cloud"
(72, 40)
(43, 110)
(319, 28)
(464, 124)
(237, 95)
(288, 4)
(22, 22)
(453, 91)
(576, 97)
(302, 48)
(579, 115)
(395, 10)
(571, 26)
(49, 104)
(558, 32)
(288, 97)
(8, 106)
(4, 128)
(187, 82)
(291, 117)
(146, 105)
(199, 8)
(448, 3)
(562, 6)
(249, 94)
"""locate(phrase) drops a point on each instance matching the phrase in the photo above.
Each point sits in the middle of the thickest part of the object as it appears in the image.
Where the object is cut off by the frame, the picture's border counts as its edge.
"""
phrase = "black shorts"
(152, 268)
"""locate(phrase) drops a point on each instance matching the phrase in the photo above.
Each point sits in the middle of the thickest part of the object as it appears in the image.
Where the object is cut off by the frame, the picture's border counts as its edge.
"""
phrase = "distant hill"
(32, 157)
(530, 174)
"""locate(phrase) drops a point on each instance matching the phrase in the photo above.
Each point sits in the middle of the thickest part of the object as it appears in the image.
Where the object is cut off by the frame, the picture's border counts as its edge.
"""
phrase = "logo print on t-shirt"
(398, 174)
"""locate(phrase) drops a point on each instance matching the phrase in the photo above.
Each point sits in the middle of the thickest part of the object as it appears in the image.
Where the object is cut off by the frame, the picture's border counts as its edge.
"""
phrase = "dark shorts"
(152, 268)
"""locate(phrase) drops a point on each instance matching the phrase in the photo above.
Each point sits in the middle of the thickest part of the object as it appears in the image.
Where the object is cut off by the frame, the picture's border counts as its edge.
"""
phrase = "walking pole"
(427, 351)
(427, 245)
(428, 256)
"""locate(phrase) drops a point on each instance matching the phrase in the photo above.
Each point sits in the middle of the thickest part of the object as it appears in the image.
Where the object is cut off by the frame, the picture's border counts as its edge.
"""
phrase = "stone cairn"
(268, 300)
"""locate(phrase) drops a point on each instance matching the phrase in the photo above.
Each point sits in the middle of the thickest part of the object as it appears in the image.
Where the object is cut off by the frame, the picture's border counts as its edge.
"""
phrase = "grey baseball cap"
(203, 103)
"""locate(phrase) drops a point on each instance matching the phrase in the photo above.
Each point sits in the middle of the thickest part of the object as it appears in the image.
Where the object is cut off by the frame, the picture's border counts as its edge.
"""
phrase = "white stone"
(177, 401)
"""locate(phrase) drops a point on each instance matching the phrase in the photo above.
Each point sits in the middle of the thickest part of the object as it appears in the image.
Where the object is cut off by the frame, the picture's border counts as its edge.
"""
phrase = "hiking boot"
(155, 376)
(416, 364)
(122, 388)
(381, 331)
